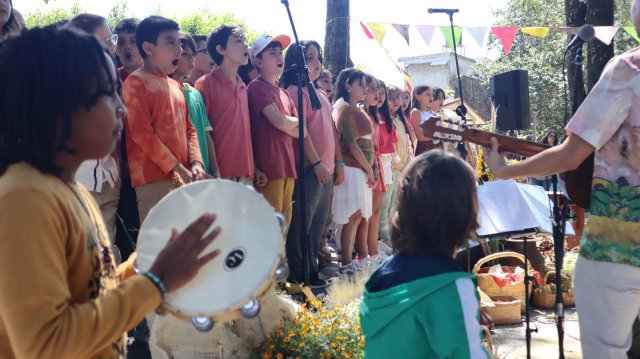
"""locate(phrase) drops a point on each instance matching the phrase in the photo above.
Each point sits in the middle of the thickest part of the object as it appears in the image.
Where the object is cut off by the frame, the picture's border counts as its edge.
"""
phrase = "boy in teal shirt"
(195, 103)
(419, 304)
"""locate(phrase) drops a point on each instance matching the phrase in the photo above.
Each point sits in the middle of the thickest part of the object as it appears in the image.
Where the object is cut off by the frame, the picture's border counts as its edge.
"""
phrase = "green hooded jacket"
(432, 317)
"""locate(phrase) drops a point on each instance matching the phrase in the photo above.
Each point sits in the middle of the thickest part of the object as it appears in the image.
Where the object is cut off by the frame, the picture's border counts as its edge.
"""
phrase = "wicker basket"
(548, 300)
(488, 285)
(504, 310)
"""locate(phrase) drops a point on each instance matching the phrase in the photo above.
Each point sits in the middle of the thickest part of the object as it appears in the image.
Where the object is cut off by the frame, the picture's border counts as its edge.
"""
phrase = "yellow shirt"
(59, 291)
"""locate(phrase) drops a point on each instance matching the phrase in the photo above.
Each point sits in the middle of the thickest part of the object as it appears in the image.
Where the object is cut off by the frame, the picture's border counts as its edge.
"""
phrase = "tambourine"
(251, 244)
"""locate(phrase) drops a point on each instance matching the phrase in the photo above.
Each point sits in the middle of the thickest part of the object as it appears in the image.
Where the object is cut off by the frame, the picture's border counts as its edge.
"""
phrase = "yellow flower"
(302, 345)
(279, 356)
(281, 324)
(333, 345)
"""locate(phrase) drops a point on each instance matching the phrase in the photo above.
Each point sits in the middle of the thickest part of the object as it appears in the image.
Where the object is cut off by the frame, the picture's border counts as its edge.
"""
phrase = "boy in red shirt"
(160, 136)
(273, 123)
(227, 105)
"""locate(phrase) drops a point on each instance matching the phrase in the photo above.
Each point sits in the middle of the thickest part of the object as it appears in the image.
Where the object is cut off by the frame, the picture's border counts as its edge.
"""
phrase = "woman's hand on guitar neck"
(494, 159)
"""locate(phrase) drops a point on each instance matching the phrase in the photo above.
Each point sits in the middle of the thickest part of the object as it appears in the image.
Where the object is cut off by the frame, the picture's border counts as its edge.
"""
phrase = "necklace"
(104, 250)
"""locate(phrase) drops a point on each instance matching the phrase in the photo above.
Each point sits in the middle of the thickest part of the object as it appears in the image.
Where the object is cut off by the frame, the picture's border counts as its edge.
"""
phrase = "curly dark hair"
(36, 116)
(436, 209)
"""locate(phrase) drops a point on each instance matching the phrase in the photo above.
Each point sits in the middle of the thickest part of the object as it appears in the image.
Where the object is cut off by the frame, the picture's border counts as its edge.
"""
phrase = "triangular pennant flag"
(570, 30)
(479, 34)
(606, 33)
(506, 35)
(403, 30)
(378, 29)
(446, 31)
(366, 31)
(426, 32)
(408, 85)
(632, 32)
(536, 31)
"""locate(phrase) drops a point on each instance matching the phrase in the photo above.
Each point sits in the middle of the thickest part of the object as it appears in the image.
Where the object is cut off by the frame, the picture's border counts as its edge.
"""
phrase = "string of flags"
(506, 35)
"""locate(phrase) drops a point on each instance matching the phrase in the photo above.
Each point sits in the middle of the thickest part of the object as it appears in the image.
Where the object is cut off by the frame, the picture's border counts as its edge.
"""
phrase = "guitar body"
(578, 181)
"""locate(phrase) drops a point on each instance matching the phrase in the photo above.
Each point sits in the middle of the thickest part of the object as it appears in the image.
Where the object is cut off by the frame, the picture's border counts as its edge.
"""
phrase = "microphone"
(443, 11)
(586, 33)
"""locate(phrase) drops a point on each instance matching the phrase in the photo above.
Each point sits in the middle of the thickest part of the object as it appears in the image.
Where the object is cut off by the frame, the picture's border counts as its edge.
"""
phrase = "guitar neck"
(434, 128)
(506, 143)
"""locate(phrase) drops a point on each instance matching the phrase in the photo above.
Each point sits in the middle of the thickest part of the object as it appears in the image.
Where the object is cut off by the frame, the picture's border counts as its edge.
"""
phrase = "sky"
(270, 16)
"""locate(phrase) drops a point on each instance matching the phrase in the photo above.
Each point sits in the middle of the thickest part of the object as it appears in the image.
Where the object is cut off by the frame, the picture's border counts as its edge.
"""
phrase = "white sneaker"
(348, 269)
(385, 248)
(377, 260)
(361, 264)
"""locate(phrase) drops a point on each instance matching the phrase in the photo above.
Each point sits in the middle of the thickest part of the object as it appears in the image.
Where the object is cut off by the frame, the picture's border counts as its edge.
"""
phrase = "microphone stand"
(560, 216)
(527, 279)
(462, 109)
(302, 72)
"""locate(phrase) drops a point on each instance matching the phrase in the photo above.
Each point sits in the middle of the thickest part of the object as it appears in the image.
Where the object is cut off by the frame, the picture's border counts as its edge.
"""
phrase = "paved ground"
(509, 340)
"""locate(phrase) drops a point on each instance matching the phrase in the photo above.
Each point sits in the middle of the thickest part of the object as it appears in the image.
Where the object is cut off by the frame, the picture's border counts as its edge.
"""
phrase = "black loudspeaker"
(509, 93)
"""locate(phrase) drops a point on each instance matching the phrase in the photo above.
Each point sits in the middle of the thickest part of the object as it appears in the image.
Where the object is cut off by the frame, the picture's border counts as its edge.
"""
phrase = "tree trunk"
(336, 41)
(599, 13)
(575, 13)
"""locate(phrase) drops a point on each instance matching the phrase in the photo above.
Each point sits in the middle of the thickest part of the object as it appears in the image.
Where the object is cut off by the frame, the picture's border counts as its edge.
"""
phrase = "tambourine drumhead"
(251, 244)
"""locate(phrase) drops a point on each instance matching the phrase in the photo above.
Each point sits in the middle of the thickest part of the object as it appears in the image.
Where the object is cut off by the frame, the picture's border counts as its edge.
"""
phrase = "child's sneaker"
(347, 269)
(385, 248)
(377, 260)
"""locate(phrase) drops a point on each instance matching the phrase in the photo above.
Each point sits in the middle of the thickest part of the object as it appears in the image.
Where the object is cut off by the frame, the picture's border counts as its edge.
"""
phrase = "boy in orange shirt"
(160, 136)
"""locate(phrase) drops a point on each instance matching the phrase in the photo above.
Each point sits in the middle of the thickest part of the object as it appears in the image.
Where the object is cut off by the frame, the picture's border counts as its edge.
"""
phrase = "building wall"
(425, 74)
(436, 69)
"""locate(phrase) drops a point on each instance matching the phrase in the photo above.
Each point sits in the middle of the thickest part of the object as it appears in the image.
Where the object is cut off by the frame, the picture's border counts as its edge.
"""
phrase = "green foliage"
(199, 22)
(543, 58)
(40, 18)
(203, 21)
(118, 13)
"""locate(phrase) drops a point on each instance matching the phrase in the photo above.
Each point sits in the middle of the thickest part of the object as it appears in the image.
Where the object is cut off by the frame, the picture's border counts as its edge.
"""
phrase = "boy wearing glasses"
(195, 103)
(203, 62)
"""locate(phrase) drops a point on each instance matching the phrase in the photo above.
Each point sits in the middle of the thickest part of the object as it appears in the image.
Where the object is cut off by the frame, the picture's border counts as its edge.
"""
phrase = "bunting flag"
(426, 32)
(606, 33)
(379, 30)
(403, 30)
(479, 34)
(569, 30)
(366, 30)
(506, 35)
(446, 31)
(405, 75)
(632, 32)
(536, 31)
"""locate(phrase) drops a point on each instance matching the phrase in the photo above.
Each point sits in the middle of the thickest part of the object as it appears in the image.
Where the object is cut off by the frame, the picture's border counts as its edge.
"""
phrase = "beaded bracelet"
(340, 163)
(157, 282)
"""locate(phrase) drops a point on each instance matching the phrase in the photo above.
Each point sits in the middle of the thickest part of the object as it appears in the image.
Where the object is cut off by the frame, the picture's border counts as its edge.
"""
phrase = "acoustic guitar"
(578, 181)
